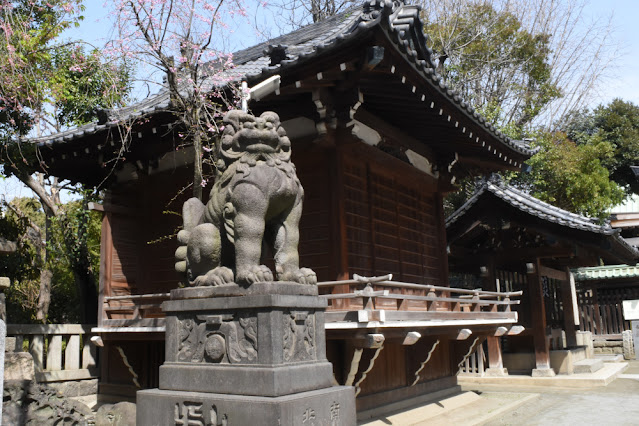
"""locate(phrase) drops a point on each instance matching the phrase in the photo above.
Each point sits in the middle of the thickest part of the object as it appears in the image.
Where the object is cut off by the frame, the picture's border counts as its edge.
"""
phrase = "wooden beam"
(485, 164)
(113, 209)
(395, 134)
(555, 274)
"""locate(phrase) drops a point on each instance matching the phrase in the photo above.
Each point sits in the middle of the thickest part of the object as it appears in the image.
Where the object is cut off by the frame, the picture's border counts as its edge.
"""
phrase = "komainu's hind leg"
(287, 237)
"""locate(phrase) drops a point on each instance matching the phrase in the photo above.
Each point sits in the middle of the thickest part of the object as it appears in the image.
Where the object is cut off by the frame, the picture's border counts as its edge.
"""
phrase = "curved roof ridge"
(531, 205)
(543, 210)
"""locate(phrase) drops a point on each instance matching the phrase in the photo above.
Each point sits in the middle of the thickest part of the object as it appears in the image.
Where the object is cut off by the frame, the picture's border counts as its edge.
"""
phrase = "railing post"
(72, 353)
(474, 300)
(36, 348)
(54, 353)
(89, 352)
(507, 306)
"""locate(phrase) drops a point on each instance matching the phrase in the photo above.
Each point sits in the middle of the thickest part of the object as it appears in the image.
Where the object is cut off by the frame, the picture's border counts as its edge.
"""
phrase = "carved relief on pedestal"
(299, 336)
(223, 339)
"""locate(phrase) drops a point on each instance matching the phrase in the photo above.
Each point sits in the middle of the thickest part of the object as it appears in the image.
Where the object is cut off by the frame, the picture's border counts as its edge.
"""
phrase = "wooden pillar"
(569, 303)
(488, 276)
(538, 314)
(494, 352)
(495, 360)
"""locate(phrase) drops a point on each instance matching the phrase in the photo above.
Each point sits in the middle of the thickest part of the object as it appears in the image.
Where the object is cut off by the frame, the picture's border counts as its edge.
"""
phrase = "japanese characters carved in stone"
(256, 200)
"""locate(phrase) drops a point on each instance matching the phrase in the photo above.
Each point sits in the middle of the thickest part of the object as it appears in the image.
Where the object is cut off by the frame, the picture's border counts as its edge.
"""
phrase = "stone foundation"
(608, 347)
(246, 356)
(330, 406)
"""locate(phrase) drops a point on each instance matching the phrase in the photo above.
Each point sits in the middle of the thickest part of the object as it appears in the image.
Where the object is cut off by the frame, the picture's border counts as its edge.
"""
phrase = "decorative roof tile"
(605, 272)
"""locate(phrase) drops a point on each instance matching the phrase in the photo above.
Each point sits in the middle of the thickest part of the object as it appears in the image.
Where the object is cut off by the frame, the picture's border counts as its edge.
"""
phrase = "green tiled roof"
(605, 272)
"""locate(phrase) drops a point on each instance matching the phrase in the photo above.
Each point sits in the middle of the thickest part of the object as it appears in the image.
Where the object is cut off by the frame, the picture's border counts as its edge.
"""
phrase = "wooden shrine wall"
(392, 377)
(393, 219)
(318, 237)
(140, 237)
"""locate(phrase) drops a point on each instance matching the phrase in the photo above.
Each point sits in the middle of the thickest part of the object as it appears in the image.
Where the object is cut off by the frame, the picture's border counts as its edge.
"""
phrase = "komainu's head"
(261, 136)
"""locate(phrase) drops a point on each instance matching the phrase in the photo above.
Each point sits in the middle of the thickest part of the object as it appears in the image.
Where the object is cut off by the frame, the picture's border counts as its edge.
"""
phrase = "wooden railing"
(381, 293)
(144, 309)
(60, 351)
(359, 294)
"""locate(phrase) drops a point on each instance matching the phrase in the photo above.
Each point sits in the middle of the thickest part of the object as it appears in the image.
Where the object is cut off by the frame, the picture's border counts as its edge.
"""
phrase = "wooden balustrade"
(375, 294)
(60, 351)
(371, 294)
(144, 309)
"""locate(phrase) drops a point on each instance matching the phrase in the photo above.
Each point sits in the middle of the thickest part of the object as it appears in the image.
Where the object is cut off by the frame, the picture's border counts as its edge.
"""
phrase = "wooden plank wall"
(144, 239)
(391, 220)
(317, 239)
(396, 365)
(552, 299)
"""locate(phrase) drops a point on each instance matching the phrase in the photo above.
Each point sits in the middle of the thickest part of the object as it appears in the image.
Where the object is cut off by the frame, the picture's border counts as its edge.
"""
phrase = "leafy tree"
(616, 124)
(74, 233)
(494, 62)
(524, 63)
(571, 176)
(47, 84)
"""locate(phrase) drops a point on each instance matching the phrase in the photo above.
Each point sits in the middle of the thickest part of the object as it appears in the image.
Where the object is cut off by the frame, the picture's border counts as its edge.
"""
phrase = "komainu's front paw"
(302, 276)
(216, 277)
(254, 274)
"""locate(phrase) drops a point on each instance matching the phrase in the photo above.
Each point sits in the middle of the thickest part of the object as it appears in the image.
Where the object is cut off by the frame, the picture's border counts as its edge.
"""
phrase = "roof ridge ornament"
(277, 53)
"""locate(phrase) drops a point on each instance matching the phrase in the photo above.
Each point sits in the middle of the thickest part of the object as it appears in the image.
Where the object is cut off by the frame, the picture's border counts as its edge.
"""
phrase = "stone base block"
(330, 406)
(260, 380)
(543, 372)
(496, 372)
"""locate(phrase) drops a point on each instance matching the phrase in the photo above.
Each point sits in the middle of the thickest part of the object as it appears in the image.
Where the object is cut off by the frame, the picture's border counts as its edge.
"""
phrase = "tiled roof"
(531, 205)
(606, 272)
(400, 22)
(526, 203)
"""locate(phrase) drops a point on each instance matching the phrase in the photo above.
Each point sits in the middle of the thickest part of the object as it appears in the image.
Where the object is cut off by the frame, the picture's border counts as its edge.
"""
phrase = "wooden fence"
(60, 351)
(602, 312)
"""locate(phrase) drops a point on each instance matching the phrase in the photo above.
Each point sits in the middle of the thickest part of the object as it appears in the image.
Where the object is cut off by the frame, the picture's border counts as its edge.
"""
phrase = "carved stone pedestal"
(246, 356)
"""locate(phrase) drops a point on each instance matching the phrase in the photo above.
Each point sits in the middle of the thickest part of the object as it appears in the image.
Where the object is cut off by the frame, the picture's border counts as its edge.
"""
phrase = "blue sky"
(625, 82)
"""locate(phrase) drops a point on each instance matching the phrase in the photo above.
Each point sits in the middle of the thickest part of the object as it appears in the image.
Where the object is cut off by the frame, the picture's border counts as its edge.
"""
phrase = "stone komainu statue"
(256, 199)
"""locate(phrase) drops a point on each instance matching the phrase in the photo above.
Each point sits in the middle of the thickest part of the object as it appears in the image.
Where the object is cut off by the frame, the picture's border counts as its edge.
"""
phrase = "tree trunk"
(44, 297)
(46, 276)
(87, 293)
(197, 145)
